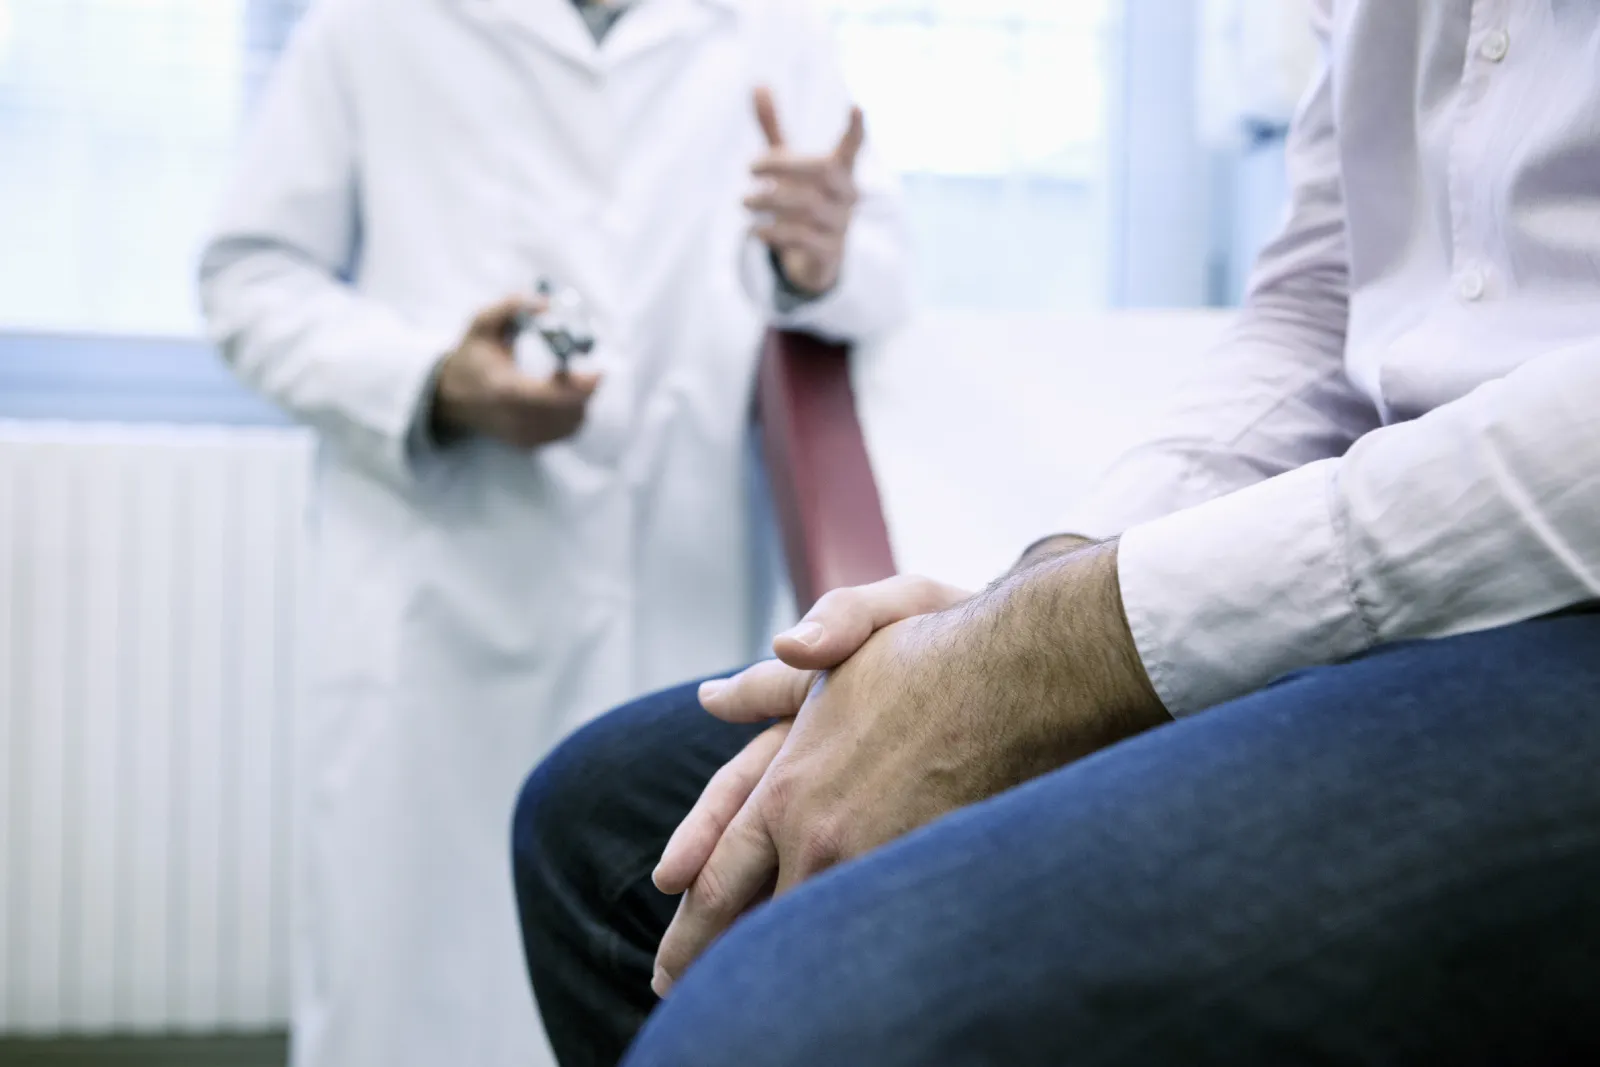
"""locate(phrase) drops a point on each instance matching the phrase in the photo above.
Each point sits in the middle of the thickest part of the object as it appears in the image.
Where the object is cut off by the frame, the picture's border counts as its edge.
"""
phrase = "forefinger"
(570, 390)
(697, 835)
(813, 169)
(744, 864)
(769, 690)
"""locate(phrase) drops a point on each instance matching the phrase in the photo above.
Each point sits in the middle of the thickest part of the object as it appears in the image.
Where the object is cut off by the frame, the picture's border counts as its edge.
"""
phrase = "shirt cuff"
(1229, 595)
(420, 440)
(785, 297)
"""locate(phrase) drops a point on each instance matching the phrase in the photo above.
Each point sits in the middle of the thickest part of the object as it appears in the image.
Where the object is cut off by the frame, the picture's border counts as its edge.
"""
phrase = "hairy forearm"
(1055, 639)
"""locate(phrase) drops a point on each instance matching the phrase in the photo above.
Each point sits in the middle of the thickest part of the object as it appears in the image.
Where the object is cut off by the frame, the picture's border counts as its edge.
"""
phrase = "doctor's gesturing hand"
(481, 390)
(805, 203)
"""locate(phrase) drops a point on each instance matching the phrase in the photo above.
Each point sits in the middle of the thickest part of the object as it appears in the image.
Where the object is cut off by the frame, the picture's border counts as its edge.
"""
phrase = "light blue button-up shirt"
(1400, 438)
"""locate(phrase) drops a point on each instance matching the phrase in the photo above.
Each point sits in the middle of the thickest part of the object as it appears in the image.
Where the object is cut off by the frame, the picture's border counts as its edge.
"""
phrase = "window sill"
(102, 378)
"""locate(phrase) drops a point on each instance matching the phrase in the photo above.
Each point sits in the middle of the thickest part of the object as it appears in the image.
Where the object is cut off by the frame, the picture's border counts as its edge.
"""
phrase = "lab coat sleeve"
(274, 276)
(872, 297)
(1273, 395)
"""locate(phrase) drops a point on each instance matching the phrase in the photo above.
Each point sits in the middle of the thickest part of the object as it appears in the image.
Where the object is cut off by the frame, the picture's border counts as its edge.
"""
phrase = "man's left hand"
(805, 203)
(932, 714)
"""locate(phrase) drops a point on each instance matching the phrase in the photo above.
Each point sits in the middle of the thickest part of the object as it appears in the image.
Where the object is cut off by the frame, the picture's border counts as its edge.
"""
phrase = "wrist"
(1057, 629)
(1047, 548)
(442, 406)
(790, 292)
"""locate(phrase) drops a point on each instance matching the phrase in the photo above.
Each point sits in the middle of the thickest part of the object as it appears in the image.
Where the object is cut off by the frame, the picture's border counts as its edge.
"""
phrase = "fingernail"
(660, 983)
(712, 690)
(807, 633)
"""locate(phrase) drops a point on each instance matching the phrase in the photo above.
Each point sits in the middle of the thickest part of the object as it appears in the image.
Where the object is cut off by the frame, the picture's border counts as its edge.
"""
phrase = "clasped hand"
(898, 703)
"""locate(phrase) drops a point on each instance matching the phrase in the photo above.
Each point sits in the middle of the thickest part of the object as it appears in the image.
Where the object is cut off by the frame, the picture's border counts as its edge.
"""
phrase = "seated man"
(1290, 759)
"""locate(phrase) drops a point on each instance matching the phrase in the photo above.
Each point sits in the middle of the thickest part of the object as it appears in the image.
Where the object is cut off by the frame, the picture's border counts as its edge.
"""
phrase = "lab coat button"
(1495, 46)
(1471, 285)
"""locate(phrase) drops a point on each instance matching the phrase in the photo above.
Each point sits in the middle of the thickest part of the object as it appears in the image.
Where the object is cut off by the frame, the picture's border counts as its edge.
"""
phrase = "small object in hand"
(565, 323)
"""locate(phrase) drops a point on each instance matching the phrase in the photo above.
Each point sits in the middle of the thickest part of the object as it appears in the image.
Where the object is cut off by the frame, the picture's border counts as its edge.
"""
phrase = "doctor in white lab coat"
(501, 553)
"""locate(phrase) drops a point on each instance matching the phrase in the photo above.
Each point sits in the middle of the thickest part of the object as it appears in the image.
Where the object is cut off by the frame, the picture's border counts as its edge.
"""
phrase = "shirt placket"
(1488, 42)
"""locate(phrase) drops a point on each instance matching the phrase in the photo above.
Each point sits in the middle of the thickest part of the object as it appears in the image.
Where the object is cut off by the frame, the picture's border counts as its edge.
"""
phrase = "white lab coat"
(413, 161)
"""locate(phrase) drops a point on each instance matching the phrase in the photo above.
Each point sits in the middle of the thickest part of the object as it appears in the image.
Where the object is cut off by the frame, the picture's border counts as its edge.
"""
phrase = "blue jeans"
(1391, 861)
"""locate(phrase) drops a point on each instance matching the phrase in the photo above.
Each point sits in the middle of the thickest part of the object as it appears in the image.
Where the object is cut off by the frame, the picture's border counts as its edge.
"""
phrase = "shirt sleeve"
(1477, 515)
(1308, 539)
(272, 275)
(1273, 395)
(1302, 548)
(873, 294)
(1306, 535)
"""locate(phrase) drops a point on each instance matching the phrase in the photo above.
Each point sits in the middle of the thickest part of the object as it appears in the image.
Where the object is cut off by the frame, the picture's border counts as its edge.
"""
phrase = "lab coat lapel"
(554, 24)
(653, 23)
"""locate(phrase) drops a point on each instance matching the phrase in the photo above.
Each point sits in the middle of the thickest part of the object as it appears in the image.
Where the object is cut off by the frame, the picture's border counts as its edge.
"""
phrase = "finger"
(824, 175)
(570, 390)
(767, 116)
(855, 135)
(578, 385)
(769, 690)
(842, 620)
(495, 320)
(839, 186)
(697, 835)
(741, 866)
(803, 206)
(812, 170)
(798, 865)
(546, 429)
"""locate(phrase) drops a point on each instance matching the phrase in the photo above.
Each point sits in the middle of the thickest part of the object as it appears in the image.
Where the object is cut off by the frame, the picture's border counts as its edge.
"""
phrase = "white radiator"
(150, 583)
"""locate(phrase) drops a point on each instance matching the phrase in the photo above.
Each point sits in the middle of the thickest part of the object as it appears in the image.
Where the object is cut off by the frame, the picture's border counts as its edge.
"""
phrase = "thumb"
(501, 319)
(855, 135)
(578, 384)
(767, 116)
(842, 621)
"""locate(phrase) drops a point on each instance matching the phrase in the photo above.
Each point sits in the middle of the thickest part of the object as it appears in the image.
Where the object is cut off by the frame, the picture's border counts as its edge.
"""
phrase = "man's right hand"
(832, 632)
(481, 390)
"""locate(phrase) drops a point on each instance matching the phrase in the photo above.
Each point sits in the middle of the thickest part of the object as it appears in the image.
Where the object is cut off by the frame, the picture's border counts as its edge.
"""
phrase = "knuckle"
(712, 892)
(798, 688)
(843, 601)
(738, 690)
(820, 845)
(782, 789)
(674, 955)
(919, 592)
(743, 776)
(722, 784)
(925, 589)
(760, 685)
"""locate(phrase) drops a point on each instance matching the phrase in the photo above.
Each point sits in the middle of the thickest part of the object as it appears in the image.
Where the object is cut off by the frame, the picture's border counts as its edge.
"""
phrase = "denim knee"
(553, 824)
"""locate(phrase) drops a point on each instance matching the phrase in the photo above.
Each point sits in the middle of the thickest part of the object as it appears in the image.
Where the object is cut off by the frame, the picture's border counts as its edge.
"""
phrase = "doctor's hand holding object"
(805, 203)
(480, 389)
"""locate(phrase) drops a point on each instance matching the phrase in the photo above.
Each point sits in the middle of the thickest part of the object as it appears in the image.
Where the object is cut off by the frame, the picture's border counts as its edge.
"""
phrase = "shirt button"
(1471, 284)
(1495, 46)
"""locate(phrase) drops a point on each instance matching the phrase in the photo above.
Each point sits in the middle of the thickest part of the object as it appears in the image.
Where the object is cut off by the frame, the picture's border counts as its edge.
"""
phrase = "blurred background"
(1066, 163)
(1040, 142)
